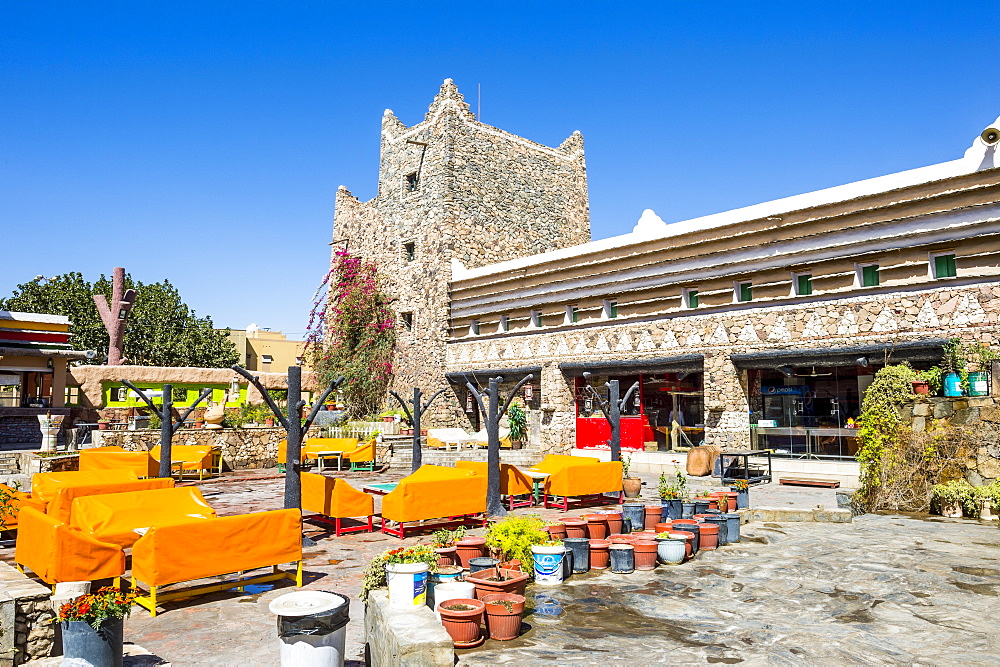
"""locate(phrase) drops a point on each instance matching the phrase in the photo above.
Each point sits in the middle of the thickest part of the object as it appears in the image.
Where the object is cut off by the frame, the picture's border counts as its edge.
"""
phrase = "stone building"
(760, 326)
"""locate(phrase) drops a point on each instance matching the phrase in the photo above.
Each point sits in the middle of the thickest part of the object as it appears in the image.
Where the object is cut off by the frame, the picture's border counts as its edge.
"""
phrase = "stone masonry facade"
(453, 189)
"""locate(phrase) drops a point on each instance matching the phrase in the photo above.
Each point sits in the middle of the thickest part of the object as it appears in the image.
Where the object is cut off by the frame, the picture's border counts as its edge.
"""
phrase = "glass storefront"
(25, 389)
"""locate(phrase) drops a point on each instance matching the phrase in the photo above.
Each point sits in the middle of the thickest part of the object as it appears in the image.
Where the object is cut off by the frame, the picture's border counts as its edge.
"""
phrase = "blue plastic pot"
(481, 563)
(579, 548)
(700, 507)
(102, 647)
(742, 499)
(952, 384)
(732, 527)
(622, 558)
(687, 510)
(672, 509)
(636, 514)
(723, 523)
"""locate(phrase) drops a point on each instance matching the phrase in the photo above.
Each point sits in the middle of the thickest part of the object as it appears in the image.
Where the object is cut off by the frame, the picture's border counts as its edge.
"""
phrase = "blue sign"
(793, 390)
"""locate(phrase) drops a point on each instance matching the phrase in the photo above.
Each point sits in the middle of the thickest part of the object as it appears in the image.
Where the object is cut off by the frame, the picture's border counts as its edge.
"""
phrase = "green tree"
(161, 330)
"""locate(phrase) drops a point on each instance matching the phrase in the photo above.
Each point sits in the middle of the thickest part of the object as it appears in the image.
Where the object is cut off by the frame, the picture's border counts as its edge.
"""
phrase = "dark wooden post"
(612, 411)
(414, 416)
(167, 426)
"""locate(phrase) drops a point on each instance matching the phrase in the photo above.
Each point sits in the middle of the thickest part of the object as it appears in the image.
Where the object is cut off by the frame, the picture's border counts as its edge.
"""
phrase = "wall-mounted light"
(862, 362)
(787, 371)
(122, 313)
(50, 363)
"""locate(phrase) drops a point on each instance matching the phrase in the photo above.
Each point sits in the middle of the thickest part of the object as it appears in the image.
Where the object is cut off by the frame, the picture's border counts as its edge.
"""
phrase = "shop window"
(868, 275)
(10, 390)
(474, 328)
(803, 284)
(118, 394)
(744, 291)
(689, 298)
(410, 250)
(504, 325)
(411, 182)
(944, 265)
(407, 319)
(572, 314)
(536, 318)
(610, 309)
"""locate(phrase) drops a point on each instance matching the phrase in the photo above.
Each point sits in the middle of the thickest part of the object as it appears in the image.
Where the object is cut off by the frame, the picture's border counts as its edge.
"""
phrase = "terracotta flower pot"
(597, 526)
(103, 425)
(619, 539)
(470, 547)
(615, 522)
(599, 554)
(556, 531)
(663, 527)
(503, 623)
(709, 536)
(920, 386)
(447, 555)
(575, 527)
(514, 582)
(677, 523)
(713, 504)
(632, 486)
(652, 516)
(461, 618)
(645, 554)
(643, 535)
(511, 565)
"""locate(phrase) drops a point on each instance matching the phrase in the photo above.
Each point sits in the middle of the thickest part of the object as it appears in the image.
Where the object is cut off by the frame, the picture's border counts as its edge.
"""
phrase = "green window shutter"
(944, 266)
(574, 315)
(692, 297)
(805, 285)
(746, 292)
(613, 309)
(869, 275)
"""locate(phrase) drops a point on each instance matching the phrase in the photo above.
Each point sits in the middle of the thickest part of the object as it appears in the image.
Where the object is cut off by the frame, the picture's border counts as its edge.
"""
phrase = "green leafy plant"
(626, 464)
(954, 359)
(154, 421)
(981, 357)
(446, 538)
(675, 489)
(8, 503)
(517, 422)
(513, 536)
(934, 377)
(958, 492)
(375, 573)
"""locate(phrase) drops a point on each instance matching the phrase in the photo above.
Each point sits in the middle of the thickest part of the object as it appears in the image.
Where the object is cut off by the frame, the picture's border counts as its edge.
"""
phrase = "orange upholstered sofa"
(513, 482)
(191, 458)
(433, 492)
(57, 490)
(336, 499)
(114, 517)
(590, 479)
(118, 458)
(555, 462)
(57, 552)
(313, 446)
(18, 499)
(191, 550)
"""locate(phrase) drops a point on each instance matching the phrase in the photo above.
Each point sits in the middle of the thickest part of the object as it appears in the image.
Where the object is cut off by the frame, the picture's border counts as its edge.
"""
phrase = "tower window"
(869, 275)
(690, 297)
(410, 250)
(803, 284)
(504, 325)
(744, 291)
(411, 182)
(944, 265)
(610, 309)
(407, 319)
(474, 328)
(536, 318)
(572, 314)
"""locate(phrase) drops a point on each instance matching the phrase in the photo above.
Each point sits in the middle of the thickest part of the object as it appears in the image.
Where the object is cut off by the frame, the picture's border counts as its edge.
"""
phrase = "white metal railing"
(361, 430)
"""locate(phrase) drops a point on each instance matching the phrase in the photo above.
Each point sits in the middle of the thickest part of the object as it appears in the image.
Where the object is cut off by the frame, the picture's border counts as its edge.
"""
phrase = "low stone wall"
(981, 413)
(30, 463)
(25, 618)
(241, 447)
(404, 637)
(793, 514)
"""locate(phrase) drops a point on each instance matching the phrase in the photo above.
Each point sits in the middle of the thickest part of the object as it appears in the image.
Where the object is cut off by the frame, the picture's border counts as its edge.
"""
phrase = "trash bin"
(312, 626)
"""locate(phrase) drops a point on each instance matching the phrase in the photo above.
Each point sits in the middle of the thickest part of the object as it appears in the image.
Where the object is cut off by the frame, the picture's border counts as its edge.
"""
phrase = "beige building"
(265, 350)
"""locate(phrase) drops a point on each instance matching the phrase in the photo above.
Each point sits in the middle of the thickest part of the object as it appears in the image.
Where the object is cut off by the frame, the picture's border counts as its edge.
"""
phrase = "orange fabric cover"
(60, 507)
(197, 549)
(45, 485)
(581, 480)
(433, 492)
(554, 462)
(57, 552)
(362, 454)
(194, 457)
(18, 500)
(334, 497)
(513, 482)
(117, 458)
(315, 445)
(112, 517)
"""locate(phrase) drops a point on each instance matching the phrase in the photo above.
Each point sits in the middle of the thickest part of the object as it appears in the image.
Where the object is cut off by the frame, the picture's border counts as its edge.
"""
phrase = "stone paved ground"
(887, 589)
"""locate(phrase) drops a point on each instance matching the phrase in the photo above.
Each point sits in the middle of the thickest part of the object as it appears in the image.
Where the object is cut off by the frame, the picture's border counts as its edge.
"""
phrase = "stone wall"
(241, 447)
(980, 414)
(25, 618)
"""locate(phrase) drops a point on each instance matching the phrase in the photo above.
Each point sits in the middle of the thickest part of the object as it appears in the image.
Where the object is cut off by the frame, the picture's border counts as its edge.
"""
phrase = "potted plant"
(503, 615)
(498, 580)
(672, 492)
(934, 379)
(517, 423)
(742, 489)
(953, 364)
(510, 539)
(981, 358)
(103, 424)
(444, 541)
(92, 626)
(389, 562)
(951, 497)
(631, 485)
(462, 618)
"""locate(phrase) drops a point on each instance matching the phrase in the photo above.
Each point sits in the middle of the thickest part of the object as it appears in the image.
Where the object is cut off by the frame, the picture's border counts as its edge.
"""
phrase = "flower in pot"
(92, 626)
(461, 618)
(632, 486)
(742, 489)
(444, 541)
(503, 615)
(557, 530)
(376, 575)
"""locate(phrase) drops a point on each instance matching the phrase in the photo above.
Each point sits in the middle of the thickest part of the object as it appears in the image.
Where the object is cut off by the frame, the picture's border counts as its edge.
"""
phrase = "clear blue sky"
(203, 142)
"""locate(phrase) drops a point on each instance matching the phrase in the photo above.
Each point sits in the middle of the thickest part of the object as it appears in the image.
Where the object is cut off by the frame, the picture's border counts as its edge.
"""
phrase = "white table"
(322, 456)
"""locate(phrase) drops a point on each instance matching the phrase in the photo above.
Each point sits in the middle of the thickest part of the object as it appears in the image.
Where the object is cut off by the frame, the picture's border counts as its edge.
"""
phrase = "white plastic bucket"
(312, 628)
(548, 564)
(407, 584)
(453, 590)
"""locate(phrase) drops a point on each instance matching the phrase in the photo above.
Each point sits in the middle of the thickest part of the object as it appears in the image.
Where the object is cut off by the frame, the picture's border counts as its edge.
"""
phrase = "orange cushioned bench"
(555, 462)
(18, 499)
(513, 482)
(194, 550)
(118, 458)
(114, 517)
(333, 498)
(57, 490)
(587, 481)
(57, 552)
(434, 492)
(314, 446)
(191, 458)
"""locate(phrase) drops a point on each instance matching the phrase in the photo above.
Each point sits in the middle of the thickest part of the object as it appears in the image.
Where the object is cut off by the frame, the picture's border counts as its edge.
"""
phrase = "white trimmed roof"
(33, 317)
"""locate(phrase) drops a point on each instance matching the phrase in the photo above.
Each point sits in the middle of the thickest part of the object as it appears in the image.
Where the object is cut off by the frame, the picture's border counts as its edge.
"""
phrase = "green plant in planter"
(8, 506)
(517, 422)
(954, 359)
(375, 573)
(981, 357)
(958, 492)
(626, 464)
(446, 538)
(512, 537)
(934, 377)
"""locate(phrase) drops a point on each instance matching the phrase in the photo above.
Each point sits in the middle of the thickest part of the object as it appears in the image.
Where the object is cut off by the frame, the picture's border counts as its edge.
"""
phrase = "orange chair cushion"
(61, 506)
(197, 549)
(334, 497)
(45, 485)
(513, 482)
(193, 457)
(117, 458)
(585, 479)
(433, 492)
(315, 445)
(57, 552)
(113, 517)
(554, 462)
(365, 452)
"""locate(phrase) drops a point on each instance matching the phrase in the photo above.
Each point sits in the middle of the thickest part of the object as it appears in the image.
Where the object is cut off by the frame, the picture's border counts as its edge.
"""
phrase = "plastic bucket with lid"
(407, 584)
(453, 590)
(312, 627)
(548, 564)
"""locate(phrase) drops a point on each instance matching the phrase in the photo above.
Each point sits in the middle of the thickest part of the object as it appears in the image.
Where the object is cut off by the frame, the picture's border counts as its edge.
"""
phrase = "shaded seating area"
(57, 552)
(587, 480)
(332, 500)
(435, 492)
(447, 438)
(363, 458)
(513, 482)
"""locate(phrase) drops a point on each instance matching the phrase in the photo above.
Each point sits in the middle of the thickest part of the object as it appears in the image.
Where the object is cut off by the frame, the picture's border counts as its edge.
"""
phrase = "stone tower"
(452, 188)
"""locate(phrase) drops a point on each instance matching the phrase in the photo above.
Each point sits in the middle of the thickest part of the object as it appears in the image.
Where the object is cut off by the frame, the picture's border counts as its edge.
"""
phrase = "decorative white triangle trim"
(720, 337)
(927, 318)
(602, 344)
(581, 346)
(492, 353)
(562, 348)
(508, 350)
(669, 341)
(624, 343)
(543, 348)
(814, 328)
(748, 334)
(645, 342)
(463, 356)
(886, 321)
(969, 311)
(525, 352)
(477, 353)
(693, 339)
(779, 331)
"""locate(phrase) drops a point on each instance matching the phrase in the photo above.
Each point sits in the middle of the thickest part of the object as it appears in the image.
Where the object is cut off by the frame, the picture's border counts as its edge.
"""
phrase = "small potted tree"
(672, 493)
(953, 364)
(517, 423)
(93, 626)
(631, 485)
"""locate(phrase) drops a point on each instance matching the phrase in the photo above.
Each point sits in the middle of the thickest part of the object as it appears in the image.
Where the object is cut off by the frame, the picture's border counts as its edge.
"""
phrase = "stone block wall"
(25, 616)
(981, 413)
